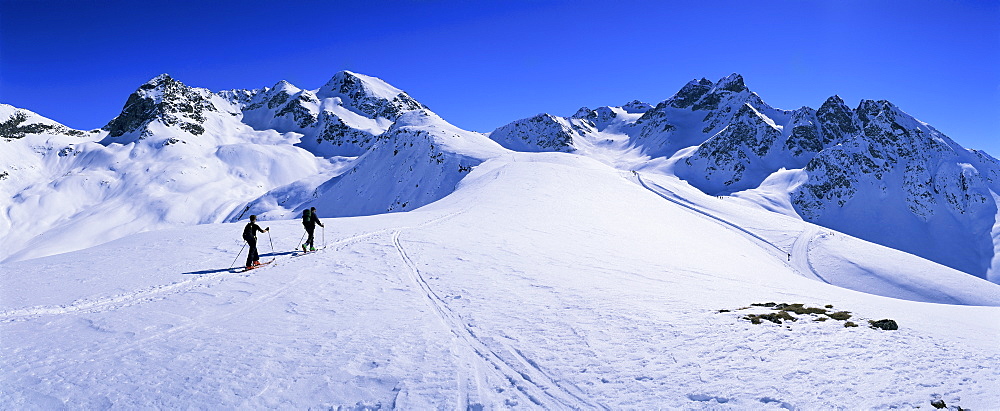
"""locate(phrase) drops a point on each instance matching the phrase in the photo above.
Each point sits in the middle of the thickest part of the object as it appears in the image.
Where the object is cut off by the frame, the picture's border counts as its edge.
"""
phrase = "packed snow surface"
(544, 281)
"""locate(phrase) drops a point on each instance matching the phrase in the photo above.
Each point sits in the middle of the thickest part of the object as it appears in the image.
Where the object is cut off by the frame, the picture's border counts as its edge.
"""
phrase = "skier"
(250, 236)
(309, 221)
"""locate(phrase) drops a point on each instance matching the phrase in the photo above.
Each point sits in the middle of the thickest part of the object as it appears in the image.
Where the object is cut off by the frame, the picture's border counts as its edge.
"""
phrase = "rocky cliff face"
(165, 100)
(899, 182)
(543, 132)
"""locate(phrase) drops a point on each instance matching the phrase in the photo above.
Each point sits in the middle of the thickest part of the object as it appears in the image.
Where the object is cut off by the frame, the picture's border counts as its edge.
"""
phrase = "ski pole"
(269, 240)
(238, 255)
(324, 236)
(299, 244)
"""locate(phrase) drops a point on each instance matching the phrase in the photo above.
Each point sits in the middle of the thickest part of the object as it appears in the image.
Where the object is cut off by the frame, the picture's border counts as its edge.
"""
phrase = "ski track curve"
(520, 372)
(797, 257)
(800, 252)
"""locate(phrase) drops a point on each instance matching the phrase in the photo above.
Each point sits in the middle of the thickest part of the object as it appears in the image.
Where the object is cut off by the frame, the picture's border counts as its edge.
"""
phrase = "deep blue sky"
(483, 64)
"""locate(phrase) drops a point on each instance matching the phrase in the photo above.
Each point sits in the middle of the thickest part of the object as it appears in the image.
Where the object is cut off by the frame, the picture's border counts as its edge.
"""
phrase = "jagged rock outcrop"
(545, 132)
(165, 100)
(724, 159)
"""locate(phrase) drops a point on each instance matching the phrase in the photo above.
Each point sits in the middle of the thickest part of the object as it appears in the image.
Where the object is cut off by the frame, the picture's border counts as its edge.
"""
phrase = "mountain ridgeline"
(181, 155)
(873, 171)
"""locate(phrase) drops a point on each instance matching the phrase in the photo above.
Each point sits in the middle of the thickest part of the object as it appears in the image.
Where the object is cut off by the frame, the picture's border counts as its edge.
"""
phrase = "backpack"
(249, 232)
(305, 216)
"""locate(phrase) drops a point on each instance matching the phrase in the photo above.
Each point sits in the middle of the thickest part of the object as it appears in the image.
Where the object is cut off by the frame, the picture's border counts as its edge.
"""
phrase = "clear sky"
(482, 64)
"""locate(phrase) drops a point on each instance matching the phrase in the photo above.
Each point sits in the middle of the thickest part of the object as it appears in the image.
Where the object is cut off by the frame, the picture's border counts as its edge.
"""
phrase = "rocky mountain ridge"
(361, 146)
(872, 171)
(180, 155)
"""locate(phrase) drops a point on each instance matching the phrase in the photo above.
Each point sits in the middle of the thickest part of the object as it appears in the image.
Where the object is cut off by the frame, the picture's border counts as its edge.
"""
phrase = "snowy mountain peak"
(543, 132)
(703, 95)
(733, 82)
(16, 123)
(834, 100)
(346, 83)
(870, 109)
(583, 112)
(167, 100)
(285, 87)
(637, 107)
(368, 96)
(158, 80)
(837, 120)
(690, 93)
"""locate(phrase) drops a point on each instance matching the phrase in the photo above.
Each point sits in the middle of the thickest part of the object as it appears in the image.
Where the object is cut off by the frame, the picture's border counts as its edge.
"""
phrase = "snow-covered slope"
(179, 155)
(901, 183)
(420, 159)
(546, 281)
(175, 156)
(341, 118)
(874, 172)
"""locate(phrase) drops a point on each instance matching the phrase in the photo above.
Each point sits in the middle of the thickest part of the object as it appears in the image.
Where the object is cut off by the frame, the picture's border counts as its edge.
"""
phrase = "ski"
(299, 253)
(244, 269)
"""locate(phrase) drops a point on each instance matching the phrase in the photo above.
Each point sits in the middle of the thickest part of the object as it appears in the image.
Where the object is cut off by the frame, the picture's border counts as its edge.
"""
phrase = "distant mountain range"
(178, 155)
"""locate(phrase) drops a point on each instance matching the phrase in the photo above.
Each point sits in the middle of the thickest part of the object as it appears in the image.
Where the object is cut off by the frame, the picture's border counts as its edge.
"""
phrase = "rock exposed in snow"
(543, 132)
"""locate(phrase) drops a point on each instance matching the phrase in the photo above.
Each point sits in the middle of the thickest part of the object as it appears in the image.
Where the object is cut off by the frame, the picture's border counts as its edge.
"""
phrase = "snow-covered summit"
(168, 102)
(420, 159)
(543, 132)
(16, 123)
(368, 96)
(637, 107)
(341, 118)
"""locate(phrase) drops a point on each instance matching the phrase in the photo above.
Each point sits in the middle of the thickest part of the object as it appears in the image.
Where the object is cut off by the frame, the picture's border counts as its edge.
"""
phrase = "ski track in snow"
(800, 252)
(188, 324)
(443, 308)
(522, 373)
(797, 257)
(160, 292)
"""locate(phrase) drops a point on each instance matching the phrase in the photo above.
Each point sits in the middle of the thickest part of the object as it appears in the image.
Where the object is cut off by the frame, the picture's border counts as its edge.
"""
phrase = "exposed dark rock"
(885, 324)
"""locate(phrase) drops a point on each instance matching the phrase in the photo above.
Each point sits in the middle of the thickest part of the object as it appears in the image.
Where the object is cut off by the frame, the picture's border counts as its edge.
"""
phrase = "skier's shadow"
(277, 254)
(222, 270)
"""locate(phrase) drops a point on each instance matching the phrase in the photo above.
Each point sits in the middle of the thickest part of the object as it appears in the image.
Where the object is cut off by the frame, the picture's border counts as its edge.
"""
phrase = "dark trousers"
(252, 254)
(309, 230)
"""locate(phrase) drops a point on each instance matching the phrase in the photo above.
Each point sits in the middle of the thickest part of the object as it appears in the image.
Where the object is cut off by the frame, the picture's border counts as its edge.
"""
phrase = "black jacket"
(311, 221)
(250, 231)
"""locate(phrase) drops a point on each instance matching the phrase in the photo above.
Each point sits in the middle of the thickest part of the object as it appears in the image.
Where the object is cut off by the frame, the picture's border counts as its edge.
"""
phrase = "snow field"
(544, 281)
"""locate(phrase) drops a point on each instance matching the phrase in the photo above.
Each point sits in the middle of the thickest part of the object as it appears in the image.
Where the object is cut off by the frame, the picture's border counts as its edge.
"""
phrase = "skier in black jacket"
(250, 236)
(309, 221)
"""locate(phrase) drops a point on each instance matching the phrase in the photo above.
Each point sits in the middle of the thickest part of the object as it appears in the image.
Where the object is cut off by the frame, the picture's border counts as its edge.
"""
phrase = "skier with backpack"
(250, 236)
(309, 221)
